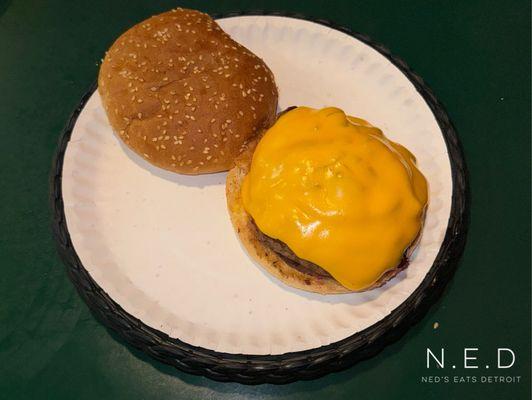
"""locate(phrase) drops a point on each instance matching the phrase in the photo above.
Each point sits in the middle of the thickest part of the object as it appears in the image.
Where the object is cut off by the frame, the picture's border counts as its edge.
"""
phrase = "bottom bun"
(269, 259)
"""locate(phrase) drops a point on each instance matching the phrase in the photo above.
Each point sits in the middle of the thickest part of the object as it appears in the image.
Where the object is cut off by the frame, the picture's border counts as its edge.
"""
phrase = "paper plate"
(154, 254)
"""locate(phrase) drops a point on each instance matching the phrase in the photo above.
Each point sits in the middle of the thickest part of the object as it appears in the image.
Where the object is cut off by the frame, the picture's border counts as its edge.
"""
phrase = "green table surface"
(475, 55)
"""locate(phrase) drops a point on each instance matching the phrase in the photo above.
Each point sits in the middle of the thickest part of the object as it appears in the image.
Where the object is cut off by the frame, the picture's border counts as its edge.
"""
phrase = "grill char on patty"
(288, 255)
(305, 266)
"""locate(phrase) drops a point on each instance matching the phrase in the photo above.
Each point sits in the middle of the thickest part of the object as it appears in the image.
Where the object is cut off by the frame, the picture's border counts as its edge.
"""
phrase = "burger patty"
(288, 255)
(307, 267)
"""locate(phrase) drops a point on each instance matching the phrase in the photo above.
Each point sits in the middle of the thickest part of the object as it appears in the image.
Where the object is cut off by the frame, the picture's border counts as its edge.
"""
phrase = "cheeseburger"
(326, 203)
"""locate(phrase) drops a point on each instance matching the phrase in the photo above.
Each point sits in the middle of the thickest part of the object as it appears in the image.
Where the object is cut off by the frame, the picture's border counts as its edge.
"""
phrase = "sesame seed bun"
(184, 95)
(270, 260)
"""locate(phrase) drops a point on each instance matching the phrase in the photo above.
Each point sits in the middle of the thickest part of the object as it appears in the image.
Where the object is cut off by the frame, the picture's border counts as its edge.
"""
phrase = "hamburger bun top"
(184, 95)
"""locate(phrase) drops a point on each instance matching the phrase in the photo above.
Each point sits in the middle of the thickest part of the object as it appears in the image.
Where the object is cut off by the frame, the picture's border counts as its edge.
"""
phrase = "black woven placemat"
(310, 364)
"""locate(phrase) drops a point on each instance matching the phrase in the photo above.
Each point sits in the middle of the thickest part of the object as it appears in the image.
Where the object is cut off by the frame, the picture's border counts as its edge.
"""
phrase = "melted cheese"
(337, 192)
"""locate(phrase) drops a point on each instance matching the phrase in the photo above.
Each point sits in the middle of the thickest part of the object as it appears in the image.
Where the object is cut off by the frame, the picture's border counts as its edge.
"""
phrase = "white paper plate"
(162, 246)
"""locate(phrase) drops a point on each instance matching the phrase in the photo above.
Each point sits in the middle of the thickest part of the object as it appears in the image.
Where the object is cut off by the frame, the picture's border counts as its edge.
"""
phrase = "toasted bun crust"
(184, 95)
(267, 258)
